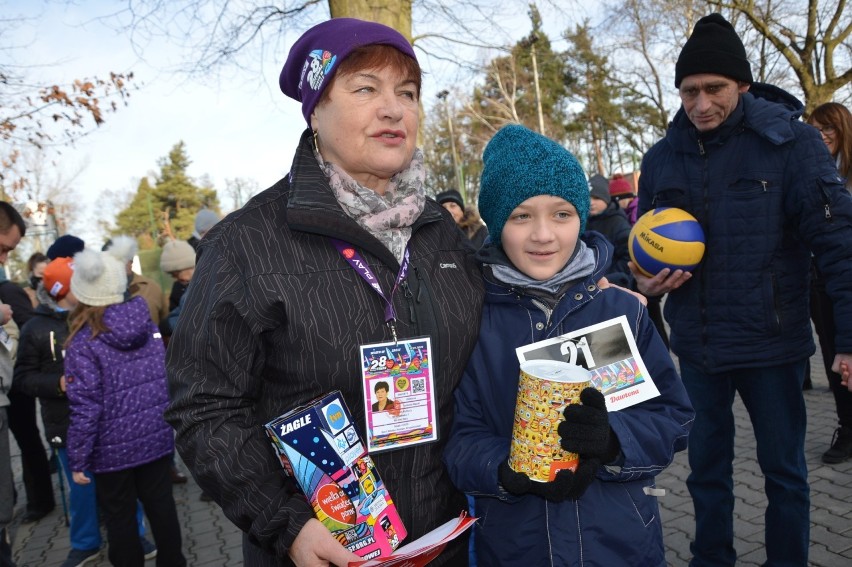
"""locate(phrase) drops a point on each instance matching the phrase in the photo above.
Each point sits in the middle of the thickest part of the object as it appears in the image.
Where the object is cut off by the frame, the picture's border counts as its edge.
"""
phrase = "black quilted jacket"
(274, 317)
(39, 365)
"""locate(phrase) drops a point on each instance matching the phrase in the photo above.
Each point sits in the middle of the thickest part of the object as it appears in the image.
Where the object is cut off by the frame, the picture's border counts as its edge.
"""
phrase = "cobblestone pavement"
(209, 539)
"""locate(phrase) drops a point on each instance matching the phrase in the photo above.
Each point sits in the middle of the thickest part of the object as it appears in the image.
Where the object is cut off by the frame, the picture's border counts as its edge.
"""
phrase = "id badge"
(399, 394)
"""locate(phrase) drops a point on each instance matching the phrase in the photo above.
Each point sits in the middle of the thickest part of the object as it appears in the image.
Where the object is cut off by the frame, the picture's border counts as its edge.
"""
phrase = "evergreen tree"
(608, 128)
(168, 208)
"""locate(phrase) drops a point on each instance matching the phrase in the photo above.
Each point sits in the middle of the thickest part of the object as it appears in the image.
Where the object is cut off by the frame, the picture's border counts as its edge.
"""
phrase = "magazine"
(423, 550)
(608, 351)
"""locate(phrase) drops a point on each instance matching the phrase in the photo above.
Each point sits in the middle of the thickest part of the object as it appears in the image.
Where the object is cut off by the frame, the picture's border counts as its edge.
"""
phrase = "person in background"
(205, 219)
(39, 372)
(541, 269)
(608, 219)
(116, 386)
(834, 122)
(12, 229)
(276, 313)
(178, 260)
(125, 248)
(467, 218)
(767, 194)
(622, 193)
(23, 422)
(35, 269)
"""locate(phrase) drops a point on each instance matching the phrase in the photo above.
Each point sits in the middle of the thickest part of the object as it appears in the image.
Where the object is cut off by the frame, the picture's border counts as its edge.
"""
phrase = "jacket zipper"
(548, 312)
(406, 292)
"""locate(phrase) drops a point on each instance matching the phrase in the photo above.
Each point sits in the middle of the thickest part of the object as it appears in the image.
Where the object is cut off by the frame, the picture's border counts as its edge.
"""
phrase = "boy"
(540, 273)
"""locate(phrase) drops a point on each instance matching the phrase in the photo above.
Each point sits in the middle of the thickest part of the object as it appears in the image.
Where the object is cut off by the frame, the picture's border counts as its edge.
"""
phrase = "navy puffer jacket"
(617, 520)
(767, 194)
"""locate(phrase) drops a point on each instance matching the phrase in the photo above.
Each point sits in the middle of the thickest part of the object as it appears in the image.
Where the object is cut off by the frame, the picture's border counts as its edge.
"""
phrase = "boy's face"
(540, 235)
(597, 206)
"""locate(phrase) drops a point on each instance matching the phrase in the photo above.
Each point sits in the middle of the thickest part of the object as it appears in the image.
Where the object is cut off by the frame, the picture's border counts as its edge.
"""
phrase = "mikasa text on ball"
(666, 238)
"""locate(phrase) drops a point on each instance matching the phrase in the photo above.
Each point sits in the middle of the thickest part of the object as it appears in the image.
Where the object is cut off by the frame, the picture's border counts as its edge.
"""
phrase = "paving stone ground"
(210, 540)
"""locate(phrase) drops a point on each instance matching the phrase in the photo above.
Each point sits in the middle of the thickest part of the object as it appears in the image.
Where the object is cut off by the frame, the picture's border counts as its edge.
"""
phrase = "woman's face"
(455, 210)
(38, 269)
(368, 124)
(829, 136)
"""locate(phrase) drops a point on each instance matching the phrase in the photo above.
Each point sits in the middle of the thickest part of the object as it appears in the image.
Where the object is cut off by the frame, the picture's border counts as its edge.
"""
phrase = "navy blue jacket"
(767, 194)
(614, 522)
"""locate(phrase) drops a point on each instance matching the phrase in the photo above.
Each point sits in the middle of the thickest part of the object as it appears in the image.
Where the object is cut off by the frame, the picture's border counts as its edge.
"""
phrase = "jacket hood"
(129, 324)
(765, 109)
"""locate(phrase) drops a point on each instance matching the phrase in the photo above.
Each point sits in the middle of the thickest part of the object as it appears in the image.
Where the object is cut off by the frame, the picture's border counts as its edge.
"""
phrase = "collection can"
(544, 389)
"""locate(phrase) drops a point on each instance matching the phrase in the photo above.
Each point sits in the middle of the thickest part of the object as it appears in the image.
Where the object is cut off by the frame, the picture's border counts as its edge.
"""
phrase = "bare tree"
(36, 117)
(213, 35)
(812, 37)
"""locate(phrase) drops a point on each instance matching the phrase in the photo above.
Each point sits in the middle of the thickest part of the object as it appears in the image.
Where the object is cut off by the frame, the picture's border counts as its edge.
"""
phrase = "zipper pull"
(764, 183)
(700, 147)
(827, 213)
(406, 293)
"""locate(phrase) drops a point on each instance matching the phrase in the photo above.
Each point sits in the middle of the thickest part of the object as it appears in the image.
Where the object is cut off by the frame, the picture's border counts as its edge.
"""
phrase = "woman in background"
(834, 122)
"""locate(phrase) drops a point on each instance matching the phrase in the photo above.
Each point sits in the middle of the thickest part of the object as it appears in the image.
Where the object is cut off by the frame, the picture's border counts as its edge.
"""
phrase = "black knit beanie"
(450, 196)
(714, 47)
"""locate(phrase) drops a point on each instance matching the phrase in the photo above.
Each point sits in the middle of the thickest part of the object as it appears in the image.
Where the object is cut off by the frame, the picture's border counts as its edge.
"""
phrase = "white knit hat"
(177, 255)
(99, 278)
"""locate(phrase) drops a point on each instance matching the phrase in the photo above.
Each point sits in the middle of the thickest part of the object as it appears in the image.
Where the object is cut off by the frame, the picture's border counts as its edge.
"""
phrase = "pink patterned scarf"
(388, 217)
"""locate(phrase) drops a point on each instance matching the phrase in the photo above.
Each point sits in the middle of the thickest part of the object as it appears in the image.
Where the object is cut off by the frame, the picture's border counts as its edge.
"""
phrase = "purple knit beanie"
(315, 56)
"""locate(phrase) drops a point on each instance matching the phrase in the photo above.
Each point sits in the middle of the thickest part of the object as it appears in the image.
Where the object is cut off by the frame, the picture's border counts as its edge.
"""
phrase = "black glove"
(566, 486)
(586, 429)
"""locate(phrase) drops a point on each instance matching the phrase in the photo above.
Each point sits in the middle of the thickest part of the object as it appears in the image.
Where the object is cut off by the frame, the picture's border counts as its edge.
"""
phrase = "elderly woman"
(281, 304)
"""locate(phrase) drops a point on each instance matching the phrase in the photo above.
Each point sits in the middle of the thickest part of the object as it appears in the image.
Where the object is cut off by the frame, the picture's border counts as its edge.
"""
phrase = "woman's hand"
(316, 547)
(664, 282)
(604, 284)
(80, 477)
(843, 366)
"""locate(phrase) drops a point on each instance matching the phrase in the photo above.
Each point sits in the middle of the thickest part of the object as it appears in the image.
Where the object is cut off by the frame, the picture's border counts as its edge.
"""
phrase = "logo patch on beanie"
(321, 62)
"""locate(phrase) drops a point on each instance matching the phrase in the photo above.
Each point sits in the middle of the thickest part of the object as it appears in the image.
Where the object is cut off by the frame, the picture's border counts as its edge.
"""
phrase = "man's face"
(709, 99)
(8, 241)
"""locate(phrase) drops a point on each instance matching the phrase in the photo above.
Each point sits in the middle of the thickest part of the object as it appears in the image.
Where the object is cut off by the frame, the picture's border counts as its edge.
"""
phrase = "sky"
(242, 127)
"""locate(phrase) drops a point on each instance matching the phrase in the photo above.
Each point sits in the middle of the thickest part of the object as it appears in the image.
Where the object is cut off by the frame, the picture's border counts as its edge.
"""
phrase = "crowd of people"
(88, 339)
(274, 306)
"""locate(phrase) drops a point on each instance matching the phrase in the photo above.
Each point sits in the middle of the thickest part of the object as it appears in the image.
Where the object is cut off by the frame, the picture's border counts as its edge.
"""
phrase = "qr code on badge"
(418, 385)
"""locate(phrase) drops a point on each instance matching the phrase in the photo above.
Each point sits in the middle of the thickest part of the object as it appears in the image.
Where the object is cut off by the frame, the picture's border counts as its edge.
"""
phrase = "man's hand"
(843, 366)
(316, 547)
(660, 284)
(5, 313)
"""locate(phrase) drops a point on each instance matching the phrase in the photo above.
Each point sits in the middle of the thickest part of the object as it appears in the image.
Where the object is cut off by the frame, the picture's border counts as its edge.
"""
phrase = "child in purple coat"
(116, 387)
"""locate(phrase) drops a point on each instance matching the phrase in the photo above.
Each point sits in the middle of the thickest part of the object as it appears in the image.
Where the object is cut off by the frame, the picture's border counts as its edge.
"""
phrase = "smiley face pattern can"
(544, 389)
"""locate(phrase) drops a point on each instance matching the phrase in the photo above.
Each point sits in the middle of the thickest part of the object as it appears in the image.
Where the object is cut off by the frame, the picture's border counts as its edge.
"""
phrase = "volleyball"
(666, 238)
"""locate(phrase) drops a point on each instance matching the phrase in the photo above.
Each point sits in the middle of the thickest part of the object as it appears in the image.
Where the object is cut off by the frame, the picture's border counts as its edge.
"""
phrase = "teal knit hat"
(520, 164)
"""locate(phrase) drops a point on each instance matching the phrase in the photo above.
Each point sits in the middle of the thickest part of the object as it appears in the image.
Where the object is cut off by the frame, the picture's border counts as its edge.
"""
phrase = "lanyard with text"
(359, 265)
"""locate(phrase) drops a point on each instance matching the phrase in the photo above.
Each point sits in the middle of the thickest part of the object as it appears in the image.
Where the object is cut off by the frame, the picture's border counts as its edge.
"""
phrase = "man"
(12, 229)
(767, 194)
(609, 219)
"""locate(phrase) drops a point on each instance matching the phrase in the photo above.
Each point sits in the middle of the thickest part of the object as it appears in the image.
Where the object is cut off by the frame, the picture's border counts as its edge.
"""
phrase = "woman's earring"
(316, 141)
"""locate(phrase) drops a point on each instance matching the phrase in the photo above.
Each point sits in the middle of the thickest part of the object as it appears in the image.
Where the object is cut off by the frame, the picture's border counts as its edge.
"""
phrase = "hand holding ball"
(666, 238)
